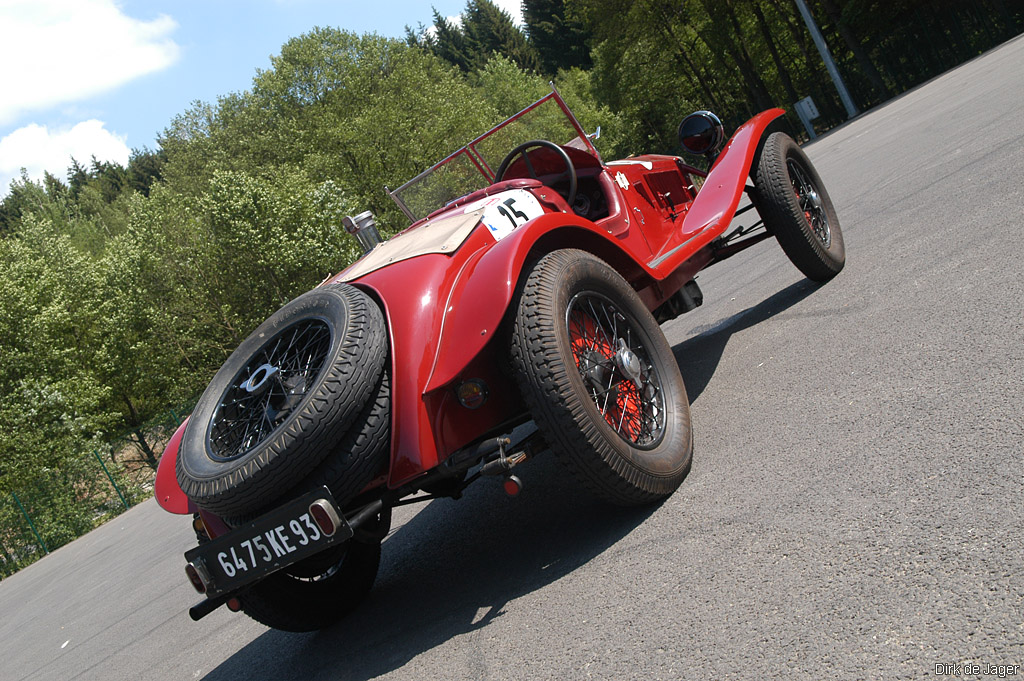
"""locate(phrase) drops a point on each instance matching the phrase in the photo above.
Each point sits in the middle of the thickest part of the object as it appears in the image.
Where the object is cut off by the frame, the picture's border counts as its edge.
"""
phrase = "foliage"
(656, 60)
(559, 40)
(485, 30)
(125, 287)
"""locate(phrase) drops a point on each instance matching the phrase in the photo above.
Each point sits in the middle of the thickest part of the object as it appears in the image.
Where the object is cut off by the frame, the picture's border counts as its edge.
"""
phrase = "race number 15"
(513, 214)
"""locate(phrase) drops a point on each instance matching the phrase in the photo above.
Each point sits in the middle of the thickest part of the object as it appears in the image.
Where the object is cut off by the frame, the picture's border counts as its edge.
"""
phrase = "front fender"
(711, 212)
(166, 490)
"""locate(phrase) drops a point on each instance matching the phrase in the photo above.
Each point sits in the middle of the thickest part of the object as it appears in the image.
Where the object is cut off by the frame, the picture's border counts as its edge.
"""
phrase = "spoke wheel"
(600, 380)
(795, 207)
(269, 388)
(617, 369)
(283, 403)
(810, 202)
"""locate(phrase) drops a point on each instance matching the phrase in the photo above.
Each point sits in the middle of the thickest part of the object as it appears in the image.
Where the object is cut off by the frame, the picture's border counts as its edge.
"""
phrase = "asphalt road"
(854, 509)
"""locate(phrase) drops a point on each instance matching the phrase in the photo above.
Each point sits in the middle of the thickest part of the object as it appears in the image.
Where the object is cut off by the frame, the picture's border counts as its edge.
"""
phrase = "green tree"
(560, 41)
(484, 30)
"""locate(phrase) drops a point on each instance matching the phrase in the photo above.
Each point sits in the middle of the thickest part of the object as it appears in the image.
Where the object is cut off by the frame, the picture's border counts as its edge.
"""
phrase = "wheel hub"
(259, 382)
(613, 364)
(281, 375)
(628, 363)
(810, 203)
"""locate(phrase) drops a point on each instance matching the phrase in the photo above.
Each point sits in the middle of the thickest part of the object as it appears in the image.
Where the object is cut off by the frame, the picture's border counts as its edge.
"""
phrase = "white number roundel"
(506, 211)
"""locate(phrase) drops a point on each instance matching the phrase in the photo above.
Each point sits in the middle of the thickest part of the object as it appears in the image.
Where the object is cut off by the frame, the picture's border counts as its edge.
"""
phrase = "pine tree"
(560, 42)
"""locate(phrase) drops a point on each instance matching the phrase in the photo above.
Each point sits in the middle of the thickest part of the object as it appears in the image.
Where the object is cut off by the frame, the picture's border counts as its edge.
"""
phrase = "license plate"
(273, 541)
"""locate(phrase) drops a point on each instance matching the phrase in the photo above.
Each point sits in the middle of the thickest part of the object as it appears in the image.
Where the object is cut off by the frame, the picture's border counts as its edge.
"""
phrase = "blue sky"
(102, 77)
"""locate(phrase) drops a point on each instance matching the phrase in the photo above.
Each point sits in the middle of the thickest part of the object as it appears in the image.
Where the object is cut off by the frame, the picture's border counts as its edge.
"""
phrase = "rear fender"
(480, 297)
(166, 490)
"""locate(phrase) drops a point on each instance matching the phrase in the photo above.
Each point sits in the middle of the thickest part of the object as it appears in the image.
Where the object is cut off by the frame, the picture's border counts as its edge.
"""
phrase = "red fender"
(166, 490)
(480, 297)
(711, 212)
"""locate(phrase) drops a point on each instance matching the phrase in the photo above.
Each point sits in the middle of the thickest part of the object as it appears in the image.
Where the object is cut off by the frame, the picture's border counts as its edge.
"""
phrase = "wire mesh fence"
(86, 490)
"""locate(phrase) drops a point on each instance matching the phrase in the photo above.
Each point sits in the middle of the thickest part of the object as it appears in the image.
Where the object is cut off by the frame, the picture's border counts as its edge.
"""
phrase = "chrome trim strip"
(662, 258)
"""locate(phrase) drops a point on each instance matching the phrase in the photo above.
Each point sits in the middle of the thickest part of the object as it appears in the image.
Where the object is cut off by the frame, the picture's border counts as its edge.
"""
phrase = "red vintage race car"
(517, 315)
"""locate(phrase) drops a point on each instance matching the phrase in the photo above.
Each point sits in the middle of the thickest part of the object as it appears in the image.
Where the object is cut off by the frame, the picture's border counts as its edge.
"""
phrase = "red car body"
(443, 309)
(525, 290)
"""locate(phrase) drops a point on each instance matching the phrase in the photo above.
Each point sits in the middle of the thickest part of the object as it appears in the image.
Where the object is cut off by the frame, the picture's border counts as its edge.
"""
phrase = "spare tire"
(354, 462)
(282, 401)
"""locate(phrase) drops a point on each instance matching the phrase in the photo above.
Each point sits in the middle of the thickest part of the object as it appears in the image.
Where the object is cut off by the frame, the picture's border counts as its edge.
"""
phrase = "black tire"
(289, 602)
(356, 460)
(795, 207)
(618, 418)
(282, 401)
(316, 592)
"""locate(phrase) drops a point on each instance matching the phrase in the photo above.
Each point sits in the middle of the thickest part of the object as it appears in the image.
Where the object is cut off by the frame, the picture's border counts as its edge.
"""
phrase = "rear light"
(234, 605)
(195, 571)
(472, 393)
(325, 516)
(512, 485)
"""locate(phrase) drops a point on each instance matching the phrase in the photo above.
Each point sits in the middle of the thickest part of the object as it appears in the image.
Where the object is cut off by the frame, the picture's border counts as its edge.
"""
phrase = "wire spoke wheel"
(285, 401)
(810, 202)
(600, 379)
(616, 369)
(796, 208)
(269, 388)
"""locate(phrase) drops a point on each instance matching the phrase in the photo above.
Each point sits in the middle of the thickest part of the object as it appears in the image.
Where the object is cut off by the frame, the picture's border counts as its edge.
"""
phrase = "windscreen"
(473, 166)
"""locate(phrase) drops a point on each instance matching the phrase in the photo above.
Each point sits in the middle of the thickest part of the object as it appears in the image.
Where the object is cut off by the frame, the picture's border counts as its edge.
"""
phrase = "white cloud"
(58, 51)
(514, 8)
(37, 148)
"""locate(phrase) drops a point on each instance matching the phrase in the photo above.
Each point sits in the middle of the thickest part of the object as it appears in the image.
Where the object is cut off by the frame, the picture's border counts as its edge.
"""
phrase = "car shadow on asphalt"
(450, 571)
(698, 356)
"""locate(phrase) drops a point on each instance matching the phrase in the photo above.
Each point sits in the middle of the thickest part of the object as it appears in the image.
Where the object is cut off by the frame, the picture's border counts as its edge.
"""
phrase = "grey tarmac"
(854, 509)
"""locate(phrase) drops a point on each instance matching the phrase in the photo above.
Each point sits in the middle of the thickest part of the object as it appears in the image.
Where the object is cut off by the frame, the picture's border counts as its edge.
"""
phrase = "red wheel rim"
(615, 365)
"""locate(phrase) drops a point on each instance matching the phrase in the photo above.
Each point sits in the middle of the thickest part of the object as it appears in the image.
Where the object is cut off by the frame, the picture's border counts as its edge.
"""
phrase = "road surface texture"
(855, 507)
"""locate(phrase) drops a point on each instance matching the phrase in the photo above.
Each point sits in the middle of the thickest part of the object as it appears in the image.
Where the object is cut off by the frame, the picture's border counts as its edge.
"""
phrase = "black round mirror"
(701, 133)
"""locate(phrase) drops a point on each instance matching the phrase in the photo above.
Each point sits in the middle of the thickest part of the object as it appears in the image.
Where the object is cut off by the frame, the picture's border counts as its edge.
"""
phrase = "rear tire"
(795, 207)
(600, 380)
(302, 600)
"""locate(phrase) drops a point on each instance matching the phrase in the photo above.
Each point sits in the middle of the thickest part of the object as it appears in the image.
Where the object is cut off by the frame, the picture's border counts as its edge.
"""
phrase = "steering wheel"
(570, 169)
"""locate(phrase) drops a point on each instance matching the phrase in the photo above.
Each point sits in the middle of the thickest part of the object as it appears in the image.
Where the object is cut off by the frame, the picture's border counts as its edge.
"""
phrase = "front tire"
(600, 379)
(795, 207)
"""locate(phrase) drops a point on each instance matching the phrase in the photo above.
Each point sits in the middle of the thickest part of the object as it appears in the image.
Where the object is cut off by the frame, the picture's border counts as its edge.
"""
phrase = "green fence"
(87, 490)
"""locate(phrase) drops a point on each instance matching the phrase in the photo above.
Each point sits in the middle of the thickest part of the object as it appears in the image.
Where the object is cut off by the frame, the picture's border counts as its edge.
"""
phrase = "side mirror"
(701, 133)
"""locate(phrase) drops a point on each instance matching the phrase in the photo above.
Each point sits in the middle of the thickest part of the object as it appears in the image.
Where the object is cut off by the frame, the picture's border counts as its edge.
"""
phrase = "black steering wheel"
(570, 169)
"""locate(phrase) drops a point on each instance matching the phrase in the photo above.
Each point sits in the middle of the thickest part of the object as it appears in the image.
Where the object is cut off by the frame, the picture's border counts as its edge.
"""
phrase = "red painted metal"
(443, 310)
(166, 490)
